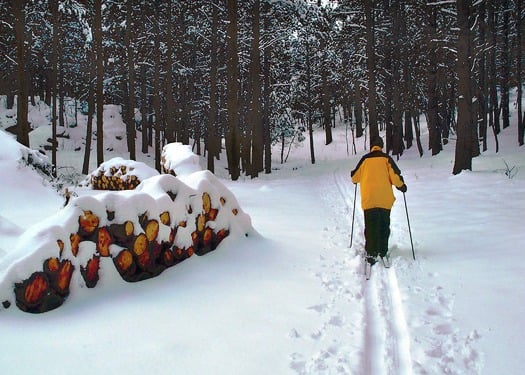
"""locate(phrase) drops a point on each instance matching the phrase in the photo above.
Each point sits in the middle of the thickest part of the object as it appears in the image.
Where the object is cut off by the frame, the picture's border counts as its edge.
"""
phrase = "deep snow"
(292, 299)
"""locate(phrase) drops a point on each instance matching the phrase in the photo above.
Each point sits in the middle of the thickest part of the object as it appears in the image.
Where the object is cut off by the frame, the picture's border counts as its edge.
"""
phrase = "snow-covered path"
(361, 326)
(386, 345)
(364, 325)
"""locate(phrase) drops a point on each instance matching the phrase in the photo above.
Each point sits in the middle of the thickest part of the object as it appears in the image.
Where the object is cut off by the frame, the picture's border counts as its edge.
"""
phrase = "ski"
(368, 270)
(369, 262)
(386, 261)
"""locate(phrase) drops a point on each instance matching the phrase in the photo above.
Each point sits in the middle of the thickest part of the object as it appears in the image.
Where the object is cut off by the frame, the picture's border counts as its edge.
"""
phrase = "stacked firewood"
(47, 289)
(116, 178)
(135, 246)
(205, 239)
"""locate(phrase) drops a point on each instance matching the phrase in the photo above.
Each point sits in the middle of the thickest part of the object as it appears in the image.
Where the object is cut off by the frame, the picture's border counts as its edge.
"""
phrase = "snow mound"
(178, 159)
(136, 234)
(11, 151)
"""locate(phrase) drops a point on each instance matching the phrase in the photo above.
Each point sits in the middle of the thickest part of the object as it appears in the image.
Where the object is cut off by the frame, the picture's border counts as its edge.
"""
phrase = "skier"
(377, 172)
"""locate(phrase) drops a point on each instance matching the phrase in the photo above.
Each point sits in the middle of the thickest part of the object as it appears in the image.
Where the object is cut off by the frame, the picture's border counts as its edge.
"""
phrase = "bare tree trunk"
(358, 111)
(130, 113)
(60, 94)
(483, 78)
(99, 80)
(309, 118)
(325, 88)
(505, 66)
(519, 56)
(370, 54)
(22, 104)
(397, 112)
(417, 127)
(91, 109)
(156, 103)
(434, 128)
(256, 107)
(232, 66)
(408, 100)
(212, 141)
(144, 108)
(463, 157)
(493, 78)
(53, 4)
(170, 106)
(266, 97)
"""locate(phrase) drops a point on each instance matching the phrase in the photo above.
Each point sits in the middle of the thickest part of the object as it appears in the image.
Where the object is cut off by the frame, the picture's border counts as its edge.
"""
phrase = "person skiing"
(377, 172)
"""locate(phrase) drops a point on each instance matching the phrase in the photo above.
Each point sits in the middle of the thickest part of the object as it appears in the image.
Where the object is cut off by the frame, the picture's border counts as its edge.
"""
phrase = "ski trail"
(386, 335)
(360, 325)
(404, 358)
(374, 339)
(397, 329)
(387, 339)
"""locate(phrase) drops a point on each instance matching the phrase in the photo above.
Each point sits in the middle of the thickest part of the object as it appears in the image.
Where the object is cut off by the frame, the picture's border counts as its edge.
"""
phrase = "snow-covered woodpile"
(178, 159)
(136, 234)
(119, 174)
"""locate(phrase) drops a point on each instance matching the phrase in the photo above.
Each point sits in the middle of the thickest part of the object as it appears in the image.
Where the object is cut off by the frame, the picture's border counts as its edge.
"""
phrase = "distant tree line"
(257, 72)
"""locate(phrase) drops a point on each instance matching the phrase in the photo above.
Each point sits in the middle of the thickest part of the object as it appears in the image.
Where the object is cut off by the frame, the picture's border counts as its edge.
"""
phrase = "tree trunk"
(144, 108)
(22, 104)
(91, 109)
(358, 111)
(505, 66)
(130, 113)
(99, 80)
(309, 118)
(156, 103)
(482, 77)
(232, 66)
(434, 128)
(397, 111)
(519, 56)
(266, 96)
(325, 87)
(493, 77)
(170, 106)
(408, 100)
(417, 128)
(388, 95)
(53, 4)
(463, 156)
(370, 64)
(212, 141)
(256, 107)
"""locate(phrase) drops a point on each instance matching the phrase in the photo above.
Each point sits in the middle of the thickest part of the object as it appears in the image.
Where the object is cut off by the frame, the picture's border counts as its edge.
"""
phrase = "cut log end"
(88, 223)
(90, 272)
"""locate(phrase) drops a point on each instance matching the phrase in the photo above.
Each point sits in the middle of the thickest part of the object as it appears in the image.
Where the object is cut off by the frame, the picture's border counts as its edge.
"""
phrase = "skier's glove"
(403, 188)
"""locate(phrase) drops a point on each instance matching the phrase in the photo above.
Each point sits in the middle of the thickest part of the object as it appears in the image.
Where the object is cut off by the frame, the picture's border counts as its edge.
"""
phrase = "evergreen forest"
(245, 76)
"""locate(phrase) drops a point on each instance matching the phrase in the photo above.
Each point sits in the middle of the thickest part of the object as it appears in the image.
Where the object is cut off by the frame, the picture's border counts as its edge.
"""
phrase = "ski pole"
(409, 231)
(353, 215)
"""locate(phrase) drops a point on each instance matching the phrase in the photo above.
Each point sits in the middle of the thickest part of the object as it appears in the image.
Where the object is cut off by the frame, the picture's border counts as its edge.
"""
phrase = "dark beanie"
(378, 141)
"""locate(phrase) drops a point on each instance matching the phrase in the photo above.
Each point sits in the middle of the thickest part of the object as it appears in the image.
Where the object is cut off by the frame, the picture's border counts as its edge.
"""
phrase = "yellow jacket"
(377, 172)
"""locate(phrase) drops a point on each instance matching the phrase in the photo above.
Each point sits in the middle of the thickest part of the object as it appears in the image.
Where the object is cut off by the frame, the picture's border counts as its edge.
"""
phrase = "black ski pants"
(377, 231)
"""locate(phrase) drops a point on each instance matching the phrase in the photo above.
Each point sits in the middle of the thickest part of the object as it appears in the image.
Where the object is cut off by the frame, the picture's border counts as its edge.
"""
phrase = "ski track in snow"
(386, 341)
(363, 326)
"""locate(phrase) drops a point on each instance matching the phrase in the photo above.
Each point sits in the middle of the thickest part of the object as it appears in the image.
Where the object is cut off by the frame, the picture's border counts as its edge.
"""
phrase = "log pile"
(114, 179)
(204, 238)
(139, 247)
(119, 174)
(47, 289)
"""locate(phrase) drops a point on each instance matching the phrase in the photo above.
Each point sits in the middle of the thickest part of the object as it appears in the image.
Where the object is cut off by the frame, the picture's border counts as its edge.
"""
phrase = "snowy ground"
(293, 299)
